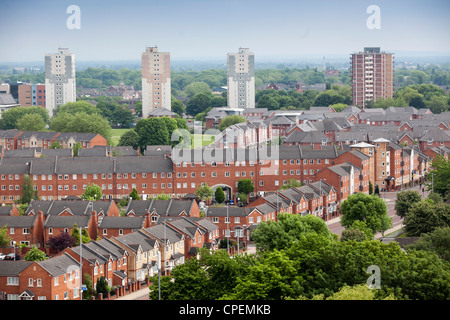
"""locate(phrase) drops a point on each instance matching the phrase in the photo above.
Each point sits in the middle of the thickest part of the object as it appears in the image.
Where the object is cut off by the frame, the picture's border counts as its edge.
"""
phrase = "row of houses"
(17, 139)
(179, 173)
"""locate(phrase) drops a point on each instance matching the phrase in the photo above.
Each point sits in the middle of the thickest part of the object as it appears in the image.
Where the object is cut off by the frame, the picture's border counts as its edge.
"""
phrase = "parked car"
(10, 256)
(2, 256)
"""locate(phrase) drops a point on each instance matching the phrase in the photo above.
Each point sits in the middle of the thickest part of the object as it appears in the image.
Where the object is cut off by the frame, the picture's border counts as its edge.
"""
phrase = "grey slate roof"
(17, 221)
(66, 221)
(13, 268)
(122, 222)
(59, 265)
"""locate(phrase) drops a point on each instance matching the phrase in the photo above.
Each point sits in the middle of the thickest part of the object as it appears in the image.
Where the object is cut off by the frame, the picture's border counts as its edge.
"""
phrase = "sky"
(208, 29)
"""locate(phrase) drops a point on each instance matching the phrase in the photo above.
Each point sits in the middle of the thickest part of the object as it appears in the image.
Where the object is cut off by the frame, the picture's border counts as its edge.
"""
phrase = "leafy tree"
(178, 107)
(152, 131)
(230, 120)
(439, 178)
(11, 116)
(357, 231)
(92, 192)
(280, 234)
(195, 88)
(76, 235)
(425, 216)
(368, 208)
(78, 106)
(35, 255)
(135, 195)
(163, 196)
(291, 184)
(129, 138)
(4, 238)
(61, 241)
(198, 103)
(245, 186)
(204, 192)
(219, 195)
(81, 122)
(87, 294)
(102, 286)
(405, 199)
(56, 145)
(28, 192)
(437, 241)
(31, 122)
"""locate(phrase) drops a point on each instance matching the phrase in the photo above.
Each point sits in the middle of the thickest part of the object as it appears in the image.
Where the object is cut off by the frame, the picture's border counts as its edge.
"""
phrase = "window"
(12, 281)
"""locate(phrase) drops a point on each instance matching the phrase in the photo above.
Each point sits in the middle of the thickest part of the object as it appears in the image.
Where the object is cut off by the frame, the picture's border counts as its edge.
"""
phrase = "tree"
(92, 192)
(439, 178)
(135, 195)
(358, 231)
(4, 238)
(291, 184)
(368, 208)
(61, 241)
(219, 195)
(78, 106)
(81, 122)
(76, 235)
(204, 192)
(9, 118)
(425, 216)
(198, 103)
(245, 186)
(195, 88)
(31, 122)
(129, 138)
(281, 234)
(370, 187)
(163, 196)
(56, 145)
(178, 107)
(437, 241)
(102, 286)
(230, 120)
(152, 131)
(405, 199)
(35, 255)
(28, 192)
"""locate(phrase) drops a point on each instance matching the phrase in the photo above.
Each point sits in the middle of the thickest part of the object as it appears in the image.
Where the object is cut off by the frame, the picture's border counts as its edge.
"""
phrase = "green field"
(116, 134)
(206, 139)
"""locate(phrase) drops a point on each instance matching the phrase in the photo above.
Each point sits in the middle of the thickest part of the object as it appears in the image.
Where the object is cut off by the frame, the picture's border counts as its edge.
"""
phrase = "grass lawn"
(116, 134)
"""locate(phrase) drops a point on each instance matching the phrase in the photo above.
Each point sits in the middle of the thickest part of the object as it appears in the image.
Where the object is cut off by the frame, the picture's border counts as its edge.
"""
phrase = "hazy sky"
(120, 30)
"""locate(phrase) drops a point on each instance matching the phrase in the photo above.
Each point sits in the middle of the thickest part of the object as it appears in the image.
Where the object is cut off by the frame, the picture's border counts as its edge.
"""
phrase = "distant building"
(60, 82)
(372, 76)
(241, 79)
(156, 90)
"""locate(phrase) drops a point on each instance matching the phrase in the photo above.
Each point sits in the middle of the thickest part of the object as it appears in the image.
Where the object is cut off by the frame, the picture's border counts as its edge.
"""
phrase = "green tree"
(425, 216)
(437, 241)
(152, 131)
(11, 116)
(78, 106)
(368, 208)
(245, 186)
(56, 145)
(35, 255)
(102, 286)
(92, 192)
(28, 191)
(404, 201)
(178, 107)
(135, 195)
(198, 103)
(230, 120)
(291, 184)
(195, 88)
(357, 231)
(129, 138)
(4, 238)
(31, 122)
(219, 195)
(76, 235)
(204, 192)
(81, 122)
(289, 228)
(439, 177)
